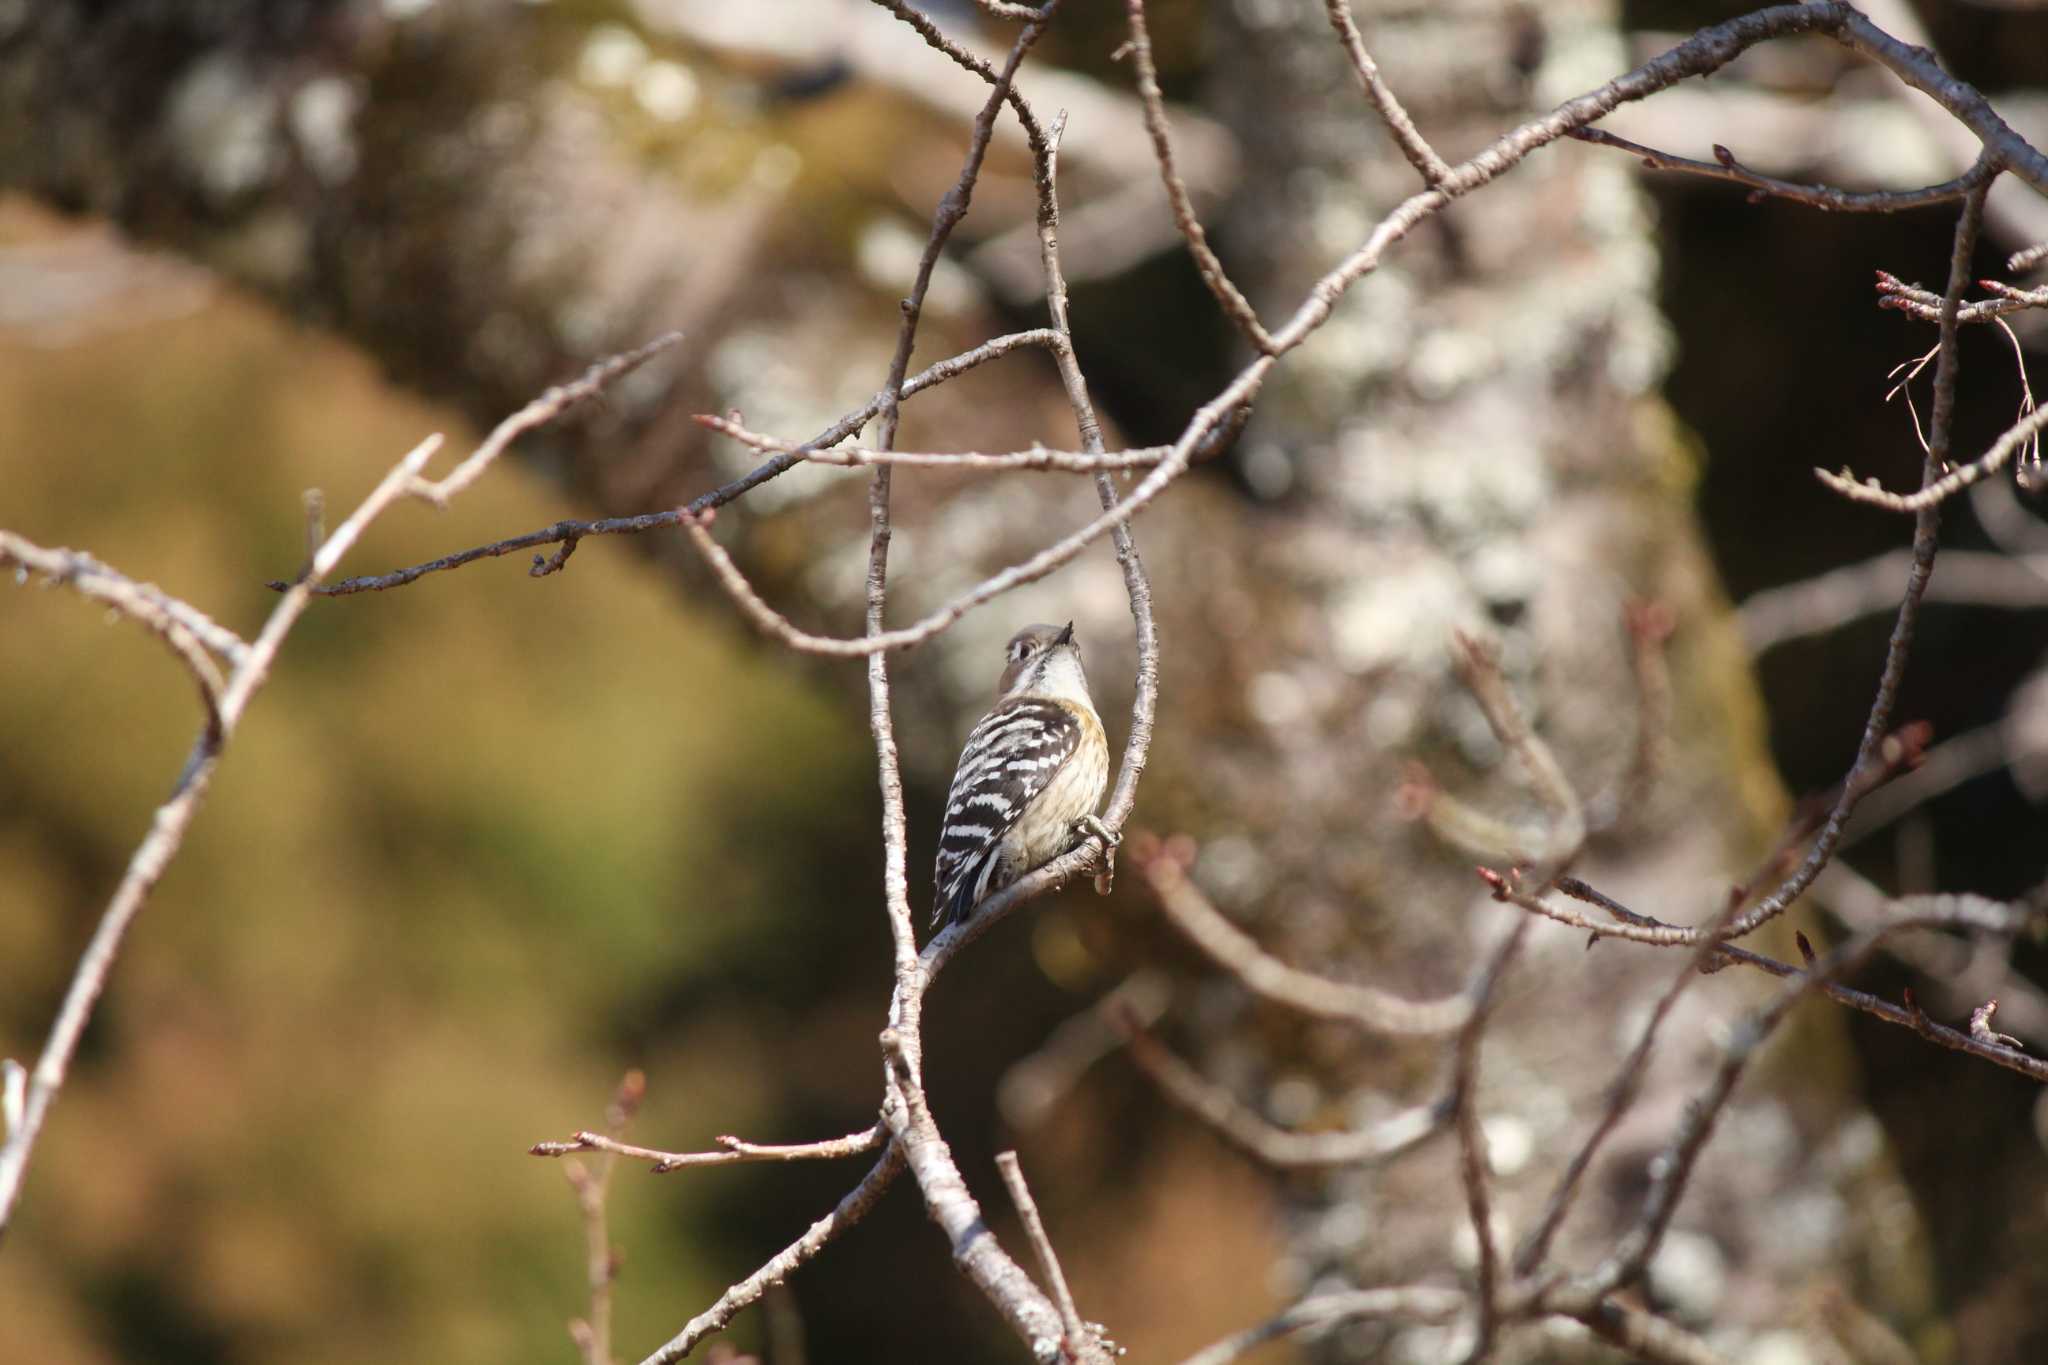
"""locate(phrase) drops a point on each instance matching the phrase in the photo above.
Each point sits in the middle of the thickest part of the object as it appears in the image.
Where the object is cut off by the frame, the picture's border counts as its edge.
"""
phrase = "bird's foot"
(1091, 827)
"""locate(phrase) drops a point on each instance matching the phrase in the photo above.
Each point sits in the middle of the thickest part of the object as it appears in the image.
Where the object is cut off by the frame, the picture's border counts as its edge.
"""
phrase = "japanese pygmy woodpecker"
(1032, 772)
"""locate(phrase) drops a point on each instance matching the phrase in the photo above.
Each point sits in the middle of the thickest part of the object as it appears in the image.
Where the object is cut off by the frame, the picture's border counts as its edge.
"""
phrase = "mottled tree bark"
(1477, 440)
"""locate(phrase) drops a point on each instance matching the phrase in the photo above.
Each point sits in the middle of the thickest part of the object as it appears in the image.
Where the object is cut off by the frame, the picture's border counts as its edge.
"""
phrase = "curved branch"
(1282, 1148)
(1304, 992)
(777, 1268)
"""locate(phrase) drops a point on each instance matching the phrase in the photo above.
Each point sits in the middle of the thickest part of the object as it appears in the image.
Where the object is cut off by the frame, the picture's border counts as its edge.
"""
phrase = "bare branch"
(1041, 1245)
(1005, 91)
(1828, 601)
(780, 1266)
(1919, 68)
(593, 1335)
(1919, 912)
(144, 602)
(1137, 584)
(1431, 167)
(1228, 297)
(173, 818)
(1926, 534)
(1034, 1085)
(1211, 417)
(1005, 9)
(568, 533)
(1304, 992)
(1474, 1172)
(1621, 1095)
(1478, 665)
(1823, 197)
(1645, 1336)
(975, 1250)
(1410, 1303)
(1940, 490)
(1038, 458)
(1672, 1169)
(188, 631)
(167, 831)
(1279, 1147)
(539, 413)
(731, 1150)
(1924, 304)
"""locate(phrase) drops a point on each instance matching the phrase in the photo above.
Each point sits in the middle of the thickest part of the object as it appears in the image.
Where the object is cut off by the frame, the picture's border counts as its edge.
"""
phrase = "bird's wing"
(1008, 760)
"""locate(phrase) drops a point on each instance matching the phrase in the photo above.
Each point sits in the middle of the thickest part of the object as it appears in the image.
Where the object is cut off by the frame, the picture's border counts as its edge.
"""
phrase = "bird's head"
(1042, 660)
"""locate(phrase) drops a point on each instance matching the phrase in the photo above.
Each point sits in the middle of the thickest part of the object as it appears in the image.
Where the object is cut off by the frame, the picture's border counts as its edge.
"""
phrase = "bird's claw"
(1093, 827)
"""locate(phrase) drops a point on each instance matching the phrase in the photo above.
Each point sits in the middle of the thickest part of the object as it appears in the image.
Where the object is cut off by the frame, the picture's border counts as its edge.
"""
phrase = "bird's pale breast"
(1046, 827)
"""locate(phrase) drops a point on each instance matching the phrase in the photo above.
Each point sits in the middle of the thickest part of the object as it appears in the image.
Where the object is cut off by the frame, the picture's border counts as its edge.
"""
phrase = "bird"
(1029, 776)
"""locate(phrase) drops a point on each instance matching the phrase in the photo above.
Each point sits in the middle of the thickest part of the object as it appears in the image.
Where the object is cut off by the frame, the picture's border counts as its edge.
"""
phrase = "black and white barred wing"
(1009, 759)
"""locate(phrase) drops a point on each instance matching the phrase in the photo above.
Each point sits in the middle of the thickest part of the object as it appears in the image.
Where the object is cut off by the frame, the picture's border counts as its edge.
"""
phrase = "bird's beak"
(1066, 636)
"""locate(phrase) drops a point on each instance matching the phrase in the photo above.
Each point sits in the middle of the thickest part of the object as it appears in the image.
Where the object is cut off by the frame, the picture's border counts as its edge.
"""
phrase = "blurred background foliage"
(494, 845)
(485, 843)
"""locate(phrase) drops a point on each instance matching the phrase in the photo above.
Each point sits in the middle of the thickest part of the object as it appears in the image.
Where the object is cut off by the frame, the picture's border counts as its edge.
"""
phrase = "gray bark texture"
(1478, 438)
(1475, 441)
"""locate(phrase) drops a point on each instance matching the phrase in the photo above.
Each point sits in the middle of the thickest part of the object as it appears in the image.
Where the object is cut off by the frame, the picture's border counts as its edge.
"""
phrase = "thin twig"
(1965, 912)
(1895, 294)
(1304, 992)
(850, 1210)
(1932, 494)
(1826, 198)
(1001, 1280)
(1137, 583)
(1926, 535)
(187, 630)
(1278, 1147)
(167, 832)
(732, 1151)
(1621, 1094)
(173, 818)
(539, 413)
(168, 827)
(1478, 666)
(568, 533)
(1474, 1171)
(1041, 1245)
(144, 602)
(593, 1334)
(1209, 418)
(1410, 1303)
(1062, 461)
(1007, 9)
(1646, 1337)
(1228, 297)
(1431, 167)
(1672, 1168)
(1840, 596)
